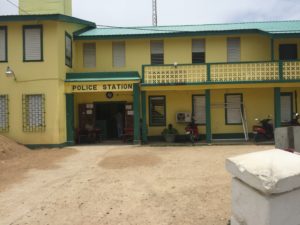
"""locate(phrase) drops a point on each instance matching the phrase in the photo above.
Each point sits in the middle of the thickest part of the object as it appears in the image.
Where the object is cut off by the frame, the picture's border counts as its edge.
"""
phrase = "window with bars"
(4, 118)
(34, 113)
(199, 112)
(157, 52)
(234, 109)
(33, 43)
(3, 44)
(118, 54)
(89, 55)
(157, 110)
(233, 50)
(68, 50)
(198, 51)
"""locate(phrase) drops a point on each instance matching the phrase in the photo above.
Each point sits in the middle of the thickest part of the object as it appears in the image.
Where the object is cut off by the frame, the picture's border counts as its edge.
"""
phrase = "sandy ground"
(118, 185)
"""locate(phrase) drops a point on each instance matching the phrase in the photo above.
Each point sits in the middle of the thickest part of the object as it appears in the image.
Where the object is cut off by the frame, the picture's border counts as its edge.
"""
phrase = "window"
(286, 107)
(199, 112)
(68, 49)
(3, 44)
(4, 113)
(288, 52)
(118, 54)
(89, 55)
(198, 51)
(233, 108)
(233, 49)
(157, 52)
(34, 113)
(33, 43)
(157, 110)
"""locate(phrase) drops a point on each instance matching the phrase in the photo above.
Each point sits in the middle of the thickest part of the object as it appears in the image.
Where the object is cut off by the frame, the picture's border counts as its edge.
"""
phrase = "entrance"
(108, 117)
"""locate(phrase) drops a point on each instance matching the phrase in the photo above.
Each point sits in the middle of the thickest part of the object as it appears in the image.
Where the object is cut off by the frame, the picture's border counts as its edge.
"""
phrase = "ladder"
(244, 122)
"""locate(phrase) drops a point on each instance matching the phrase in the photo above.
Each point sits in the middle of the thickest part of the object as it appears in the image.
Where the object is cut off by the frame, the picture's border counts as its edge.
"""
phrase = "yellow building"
(62, 75)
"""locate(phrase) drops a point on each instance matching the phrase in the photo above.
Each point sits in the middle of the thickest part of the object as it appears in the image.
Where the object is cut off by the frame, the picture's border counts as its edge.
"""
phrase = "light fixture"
(175, 64)
(10, 73)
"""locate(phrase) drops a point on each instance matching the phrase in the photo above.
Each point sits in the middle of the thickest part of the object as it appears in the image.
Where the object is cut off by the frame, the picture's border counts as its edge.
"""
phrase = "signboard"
(103, 87)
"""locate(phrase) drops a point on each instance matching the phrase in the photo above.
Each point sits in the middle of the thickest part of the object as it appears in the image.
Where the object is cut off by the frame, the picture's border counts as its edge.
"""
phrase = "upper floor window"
(288, 52)
(33, 43)
(118, 54)
(198, 51)
(89, 55)
(68, 49)
(233, 49)
(157, 52)
(3, 44)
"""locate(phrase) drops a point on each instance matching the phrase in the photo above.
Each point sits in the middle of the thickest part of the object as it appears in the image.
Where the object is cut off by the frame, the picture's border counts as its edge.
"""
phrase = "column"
(136, 109)
(277, 110)
(144, 118)
(208, 116)
(70, 118)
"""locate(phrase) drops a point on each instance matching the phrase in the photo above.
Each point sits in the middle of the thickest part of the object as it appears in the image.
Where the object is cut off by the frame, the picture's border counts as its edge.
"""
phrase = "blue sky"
(177, 12)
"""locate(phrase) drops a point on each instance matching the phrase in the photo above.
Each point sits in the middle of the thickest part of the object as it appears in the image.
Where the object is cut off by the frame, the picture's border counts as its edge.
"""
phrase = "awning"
(103, 76)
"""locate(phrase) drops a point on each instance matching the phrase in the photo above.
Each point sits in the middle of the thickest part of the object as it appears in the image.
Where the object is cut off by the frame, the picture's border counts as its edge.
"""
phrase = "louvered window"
(89, 55)
(157, 109)
(157, 52)
(286, 107)
(198, 51)
(233, 49)
(199, 112)
(3, 44)
(68, 50)
(234, 108)
(33, 43)
(118, 54)
(34, 113)
(4, 125)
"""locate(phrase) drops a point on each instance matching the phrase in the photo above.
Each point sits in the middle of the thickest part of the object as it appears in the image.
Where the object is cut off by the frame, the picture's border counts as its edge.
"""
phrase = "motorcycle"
(192, 131)
(264, 131)
(294, 121)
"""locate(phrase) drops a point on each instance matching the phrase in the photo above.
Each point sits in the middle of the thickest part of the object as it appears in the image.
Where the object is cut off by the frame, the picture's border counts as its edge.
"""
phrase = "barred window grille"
(4, 118)
(34, 113)
(68, 50)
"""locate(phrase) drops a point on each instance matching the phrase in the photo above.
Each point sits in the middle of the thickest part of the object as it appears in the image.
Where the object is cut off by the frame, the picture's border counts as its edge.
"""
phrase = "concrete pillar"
(136, 112)
(144, 117)
(208, 116)
(265, 188)
(70, 118)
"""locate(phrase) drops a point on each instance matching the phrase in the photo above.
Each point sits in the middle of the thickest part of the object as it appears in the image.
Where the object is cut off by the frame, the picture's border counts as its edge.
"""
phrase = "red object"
(192, 131)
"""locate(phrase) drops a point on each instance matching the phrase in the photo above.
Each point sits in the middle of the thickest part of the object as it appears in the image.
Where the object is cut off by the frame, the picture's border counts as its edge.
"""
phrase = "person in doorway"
(119, 122)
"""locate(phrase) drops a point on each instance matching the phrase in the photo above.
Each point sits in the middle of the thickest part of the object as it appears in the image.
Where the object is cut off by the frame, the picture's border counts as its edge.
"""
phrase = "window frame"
(287, 44)
(114, 65)
(240, 49)
(193, 108)
(204, 61)
(163, 54)
(151, 124)
(83, 54)
(6, 44)
(39, 26)
(6, 128)
(290, 94)
(26, 125)
(226, 109)
(67, 35)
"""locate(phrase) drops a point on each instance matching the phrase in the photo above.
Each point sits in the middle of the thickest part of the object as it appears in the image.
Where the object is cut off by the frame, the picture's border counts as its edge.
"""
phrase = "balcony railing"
(240, 72)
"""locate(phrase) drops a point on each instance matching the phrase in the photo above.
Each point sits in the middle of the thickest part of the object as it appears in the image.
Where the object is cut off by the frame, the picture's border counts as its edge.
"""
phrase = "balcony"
(218, 73)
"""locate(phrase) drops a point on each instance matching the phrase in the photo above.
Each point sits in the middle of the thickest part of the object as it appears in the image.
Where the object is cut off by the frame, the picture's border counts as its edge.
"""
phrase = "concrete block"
(297, 138)
(251, 207)
(271, 172)
(284, 137)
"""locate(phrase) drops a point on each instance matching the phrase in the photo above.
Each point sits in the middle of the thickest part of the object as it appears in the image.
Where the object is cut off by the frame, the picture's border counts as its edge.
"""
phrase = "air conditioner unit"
(183, 117)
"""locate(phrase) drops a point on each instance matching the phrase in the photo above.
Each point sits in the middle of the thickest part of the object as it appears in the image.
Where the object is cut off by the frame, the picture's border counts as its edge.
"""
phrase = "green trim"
(277, 107)
(143, 73)
(226, 113)
(6, 43)
(59, 17)
(70, 118)
(103, 76)
(144, 117)
(39, 26)
(230, 135)
(163, 34)
(208, 116)
(197, 95)
(208, 72)
(290, 94)
(280, 70)
(67, 35)
(41, 146)
(150, 109)
(136, 113)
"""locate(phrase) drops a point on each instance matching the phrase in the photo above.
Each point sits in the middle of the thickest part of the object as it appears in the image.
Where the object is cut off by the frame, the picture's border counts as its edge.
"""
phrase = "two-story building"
(70, 74)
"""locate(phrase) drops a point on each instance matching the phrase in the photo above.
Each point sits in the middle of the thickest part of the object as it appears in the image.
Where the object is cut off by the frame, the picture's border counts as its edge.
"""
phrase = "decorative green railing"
(276, 71)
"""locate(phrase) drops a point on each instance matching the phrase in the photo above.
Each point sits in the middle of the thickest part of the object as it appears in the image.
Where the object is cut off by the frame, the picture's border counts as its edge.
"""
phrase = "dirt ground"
(118, 185)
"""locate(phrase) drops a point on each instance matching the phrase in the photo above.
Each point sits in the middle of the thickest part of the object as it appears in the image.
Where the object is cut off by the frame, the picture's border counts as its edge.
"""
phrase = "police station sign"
(103, 87)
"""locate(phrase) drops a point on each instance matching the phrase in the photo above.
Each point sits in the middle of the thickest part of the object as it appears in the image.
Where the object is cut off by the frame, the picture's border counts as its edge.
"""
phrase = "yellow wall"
(45, 7)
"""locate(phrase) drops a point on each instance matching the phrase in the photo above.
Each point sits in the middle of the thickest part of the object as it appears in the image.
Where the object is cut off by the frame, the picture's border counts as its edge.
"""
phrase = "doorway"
(107, 116)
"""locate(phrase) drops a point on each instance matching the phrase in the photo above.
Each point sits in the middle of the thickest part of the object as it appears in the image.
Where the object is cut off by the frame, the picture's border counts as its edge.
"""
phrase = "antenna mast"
(154, 13)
